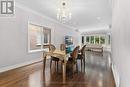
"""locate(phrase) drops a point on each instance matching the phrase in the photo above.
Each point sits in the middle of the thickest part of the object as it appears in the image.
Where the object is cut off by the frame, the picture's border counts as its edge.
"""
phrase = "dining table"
(63, 57)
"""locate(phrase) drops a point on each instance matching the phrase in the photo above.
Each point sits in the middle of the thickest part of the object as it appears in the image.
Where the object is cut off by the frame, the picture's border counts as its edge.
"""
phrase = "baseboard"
(4, 69)
(116, 75)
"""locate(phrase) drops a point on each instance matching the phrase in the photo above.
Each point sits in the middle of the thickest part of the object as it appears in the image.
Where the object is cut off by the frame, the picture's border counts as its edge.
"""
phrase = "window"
(92, 40)
(47, 36)
(102, 40)
(37, 37)
(87, 39)
(96, 39)
(82, 39)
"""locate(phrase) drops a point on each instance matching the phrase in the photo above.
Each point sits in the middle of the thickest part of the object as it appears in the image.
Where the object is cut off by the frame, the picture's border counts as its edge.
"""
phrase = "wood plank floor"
(97, 73)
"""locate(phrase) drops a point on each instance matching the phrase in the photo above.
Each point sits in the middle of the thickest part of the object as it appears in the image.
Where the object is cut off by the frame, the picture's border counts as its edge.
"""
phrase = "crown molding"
(40, 14)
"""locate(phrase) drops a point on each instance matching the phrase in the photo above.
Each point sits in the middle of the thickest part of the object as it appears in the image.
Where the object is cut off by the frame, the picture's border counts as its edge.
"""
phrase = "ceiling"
(86, 14)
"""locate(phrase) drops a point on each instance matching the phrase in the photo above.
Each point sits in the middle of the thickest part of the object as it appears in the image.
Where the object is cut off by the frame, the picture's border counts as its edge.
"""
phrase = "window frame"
(42, 38)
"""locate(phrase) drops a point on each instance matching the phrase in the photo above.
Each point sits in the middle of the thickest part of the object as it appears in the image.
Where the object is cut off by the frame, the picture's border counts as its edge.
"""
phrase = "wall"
(121, 40)
(14, 35)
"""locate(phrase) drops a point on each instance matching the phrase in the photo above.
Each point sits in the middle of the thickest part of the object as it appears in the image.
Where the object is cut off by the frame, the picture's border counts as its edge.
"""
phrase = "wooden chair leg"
(81, 64)
(57, 65)
(61, 65)
(73, 69)
(77, 67)
(50, 63)
(84, 63)
(44, 65)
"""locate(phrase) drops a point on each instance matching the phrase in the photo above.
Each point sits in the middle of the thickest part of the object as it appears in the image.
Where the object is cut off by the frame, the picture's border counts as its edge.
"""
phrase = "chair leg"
(50, 63)
(73, 69)
(84, 63)
(61, 65)
(81, 64)
(77, 67)
(44, 63)
(57, 65)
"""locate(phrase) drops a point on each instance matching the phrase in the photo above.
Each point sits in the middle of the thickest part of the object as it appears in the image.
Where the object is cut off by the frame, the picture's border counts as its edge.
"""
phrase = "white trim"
(116, 75)
(39, 50)
(19, 65)
(34, 51)
(29, 49)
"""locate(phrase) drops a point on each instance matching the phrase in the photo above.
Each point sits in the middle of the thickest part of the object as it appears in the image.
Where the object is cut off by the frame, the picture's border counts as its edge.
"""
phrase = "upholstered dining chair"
(81, 55)
(73, 58)
(52, 48)
(62, 47)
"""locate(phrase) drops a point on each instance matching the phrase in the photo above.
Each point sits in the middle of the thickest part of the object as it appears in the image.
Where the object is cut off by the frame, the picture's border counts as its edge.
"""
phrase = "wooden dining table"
(63, 57)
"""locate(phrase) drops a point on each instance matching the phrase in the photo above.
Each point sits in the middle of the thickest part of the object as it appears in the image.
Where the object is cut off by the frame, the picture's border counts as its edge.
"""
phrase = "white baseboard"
(19, 65)
(116, 75)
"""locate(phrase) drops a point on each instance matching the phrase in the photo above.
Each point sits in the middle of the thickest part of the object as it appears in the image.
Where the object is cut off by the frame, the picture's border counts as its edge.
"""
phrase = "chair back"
(75, 52)
(62, 47)
(52, 48)
(83, 50)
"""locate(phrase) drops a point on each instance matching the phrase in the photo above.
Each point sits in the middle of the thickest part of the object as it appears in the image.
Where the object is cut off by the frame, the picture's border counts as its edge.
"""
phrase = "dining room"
(58, 43)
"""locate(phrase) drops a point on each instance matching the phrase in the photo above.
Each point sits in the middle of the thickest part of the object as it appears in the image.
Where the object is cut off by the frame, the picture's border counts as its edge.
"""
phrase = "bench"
(94, 48)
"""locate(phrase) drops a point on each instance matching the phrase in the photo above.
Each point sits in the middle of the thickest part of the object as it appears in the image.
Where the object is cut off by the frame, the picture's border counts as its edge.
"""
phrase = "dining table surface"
(62, 55)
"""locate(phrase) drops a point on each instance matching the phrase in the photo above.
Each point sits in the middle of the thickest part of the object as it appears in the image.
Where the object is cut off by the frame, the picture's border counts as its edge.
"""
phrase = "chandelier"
(63, 13)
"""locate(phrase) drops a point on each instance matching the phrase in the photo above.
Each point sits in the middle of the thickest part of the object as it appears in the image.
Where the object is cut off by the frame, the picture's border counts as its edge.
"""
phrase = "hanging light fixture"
(63, 13)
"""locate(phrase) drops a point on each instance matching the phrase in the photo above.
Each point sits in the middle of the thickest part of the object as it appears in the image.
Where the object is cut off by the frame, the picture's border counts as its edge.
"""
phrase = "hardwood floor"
(96, 73)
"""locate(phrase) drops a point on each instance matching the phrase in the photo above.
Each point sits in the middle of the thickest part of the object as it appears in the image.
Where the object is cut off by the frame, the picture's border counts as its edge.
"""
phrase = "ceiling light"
(63, 11)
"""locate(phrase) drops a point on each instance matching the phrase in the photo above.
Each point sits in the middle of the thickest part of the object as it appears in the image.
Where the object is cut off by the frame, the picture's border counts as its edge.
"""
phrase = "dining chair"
(62, 47)
(73, 58)
(81, 55)
(52, 48)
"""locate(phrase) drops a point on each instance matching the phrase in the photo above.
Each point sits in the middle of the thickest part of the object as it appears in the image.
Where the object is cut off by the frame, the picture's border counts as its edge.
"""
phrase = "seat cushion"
(54, 59)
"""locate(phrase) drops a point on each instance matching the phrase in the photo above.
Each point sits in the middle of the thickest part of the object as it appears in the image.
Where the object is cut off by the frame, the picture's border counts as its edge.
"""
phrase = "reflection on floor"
(95, 74)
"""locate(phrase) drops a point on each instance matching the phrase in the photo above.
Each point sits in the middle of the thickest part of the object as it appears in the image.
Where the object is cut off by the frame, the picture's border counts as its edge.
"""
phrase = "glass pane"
(96, 39)
(82, 39)
(87, 39)
(47, 36)
(92, 40)
(35, 37)
(102, 40)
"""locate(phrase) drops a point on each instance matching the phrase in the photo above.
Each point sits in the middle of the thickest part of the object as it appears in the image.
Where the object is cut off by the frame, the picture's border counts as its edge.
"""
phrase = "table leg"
(64, 72)
(44, 63)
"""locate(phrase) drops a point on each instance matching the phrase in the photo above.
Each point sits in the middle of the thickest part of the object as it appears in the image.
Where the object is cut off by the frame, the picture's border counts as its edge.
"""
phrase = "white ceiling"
(86, 14)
